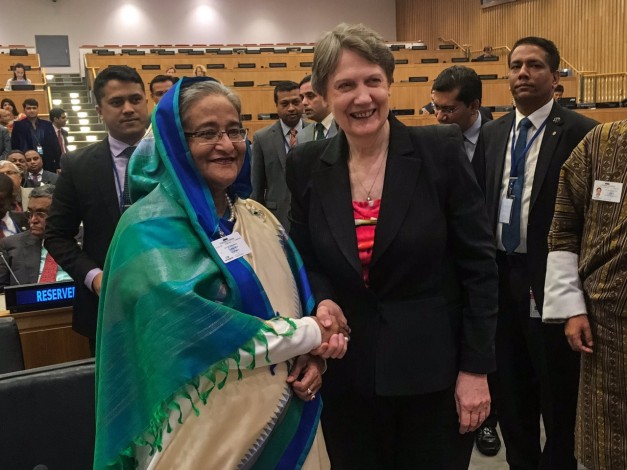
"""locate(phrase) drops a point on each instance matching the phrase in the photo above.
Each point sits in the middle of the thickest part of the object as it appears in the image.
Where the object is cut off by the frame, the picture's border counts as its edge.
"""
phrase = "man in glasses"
(456, 98)
(24, 253)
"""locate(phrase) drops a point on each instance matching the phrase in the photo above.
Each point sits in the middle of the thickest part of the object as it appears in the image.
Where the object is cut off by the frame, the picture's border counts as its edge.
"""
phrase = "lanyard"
(120, 188)
(513, 171)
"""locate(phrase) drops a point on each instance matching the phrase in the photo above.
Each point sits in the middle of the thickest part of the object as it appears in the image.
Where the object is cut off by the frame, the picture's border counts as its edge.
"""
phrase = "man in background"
(36, 175)
(518, 163)
(26, 260)
(317, 110)
(160, 85)
(36, 134)
(270, 149)
(58, 117)
(91, 190)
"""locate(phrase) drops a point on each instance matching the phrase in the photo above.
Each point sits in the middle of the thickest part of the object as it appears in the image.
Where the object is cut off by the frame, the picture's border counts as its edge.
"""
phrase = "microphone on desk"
(6, 263)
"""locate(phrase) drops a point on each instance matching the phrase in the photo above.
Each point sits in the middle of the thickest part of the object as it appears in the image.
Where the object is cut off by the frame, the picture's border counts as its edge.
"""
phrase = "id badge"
(40, 150)
(505, 214)
(607, 191)
(533, 307)
(231, 247)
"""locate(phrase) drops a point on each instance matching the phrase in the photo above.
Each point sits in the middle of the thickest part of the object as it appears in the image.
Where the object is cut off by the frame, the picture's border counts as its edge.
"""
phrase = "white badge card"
(231, 247)
(505, 214)
(607, 191)
(533, 307)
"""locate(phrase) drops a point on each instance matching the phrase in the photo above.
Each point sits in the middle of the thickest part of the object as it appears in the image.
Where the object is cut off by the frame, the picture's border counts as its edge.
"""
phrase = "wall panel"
(589, 33)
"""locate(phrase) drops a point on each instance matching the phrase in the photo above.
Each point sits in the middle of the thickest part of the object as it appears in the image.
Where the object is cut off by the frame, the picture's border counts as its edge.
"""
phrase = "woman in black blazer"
(392, 228)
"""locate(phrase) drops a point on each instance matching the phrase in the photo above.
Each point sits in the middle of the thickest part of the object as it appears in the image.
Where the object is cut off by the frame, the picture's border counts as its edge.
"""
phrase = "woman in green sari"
(203, 337)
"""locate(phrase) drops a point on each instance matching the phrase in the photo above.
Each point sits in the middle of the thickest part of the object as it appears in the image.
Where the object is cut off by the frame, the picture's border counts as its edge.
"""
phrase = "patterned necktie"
(49, 272)
(128, 151)
(319, 131)
(293, 133)
(511, 232)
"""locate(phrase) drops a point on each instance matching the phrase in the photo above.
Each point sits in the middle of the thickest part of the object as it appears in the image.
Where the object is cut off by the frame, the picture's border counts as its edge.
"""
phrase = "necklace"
(376, 176)
(231, 218)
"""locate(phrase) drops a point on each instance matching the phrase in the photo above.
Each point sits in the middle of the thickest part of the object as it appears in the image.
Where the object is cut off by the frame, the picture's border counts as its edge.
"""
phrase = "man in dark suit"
(518, 163)
(91, 190)
(23, 253)
(270, 148)
(58, 117)
(36, 175)
(317, 110)
(456, 98)
(36, 134)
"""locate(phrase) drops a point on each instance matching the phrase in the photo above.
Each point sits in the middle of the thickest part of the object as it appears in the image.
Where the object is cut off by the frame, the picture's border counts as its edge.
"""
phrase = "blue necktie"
(511, 232)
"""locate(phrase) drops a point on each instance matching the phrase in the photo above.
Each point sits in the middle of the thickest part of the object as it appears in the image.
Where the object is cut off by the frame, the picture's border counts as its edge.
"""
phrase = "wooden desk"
(47, 337)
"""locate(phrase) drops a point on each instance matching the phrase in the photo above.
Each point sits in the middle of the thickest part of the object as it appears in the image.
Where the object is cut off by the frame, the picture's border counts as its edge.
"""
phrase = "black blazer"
(430, 309)
(22, 139)
(85, 192)
(23, 253)
(564, 130)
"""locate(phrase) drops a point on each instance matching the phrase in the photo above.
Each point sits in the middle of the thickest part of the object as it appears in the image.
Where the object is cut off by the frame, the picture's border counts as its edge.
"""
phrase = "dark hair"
(56, 113)
(45, 190)
(10, 101)
(307, 79)
(30, 102)
(21, 66)
(162, 79)
(559, 88)
(357, 38)
(6, 185)
(552, 54)
(463, 78)
(12, 151)
(122, 73)
(284, 86)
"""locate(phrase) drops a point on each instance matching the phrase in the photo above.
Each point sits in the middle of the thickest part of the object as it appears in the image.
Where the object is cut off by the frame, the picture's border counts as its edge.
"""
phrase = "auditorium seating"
(48, 417)
(11, 358)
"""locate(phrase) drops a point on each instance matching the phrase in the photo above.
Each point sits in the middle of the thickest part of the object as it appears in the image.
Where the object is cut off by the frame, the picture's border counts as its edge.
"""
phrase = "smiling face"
(123, 108)
(34, 163)
(358, 93)
(219, 163)
(18, 160)
(530, 78)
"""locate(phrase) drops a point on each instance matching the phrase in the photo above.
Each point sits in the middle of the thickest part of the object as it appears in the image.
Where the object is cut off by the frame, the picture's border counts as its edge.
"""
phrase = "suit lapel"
(332, 186)
(103, 173)
(401, 176)
(495, 156)
(279, 142)
(32, 255)
(550, 139)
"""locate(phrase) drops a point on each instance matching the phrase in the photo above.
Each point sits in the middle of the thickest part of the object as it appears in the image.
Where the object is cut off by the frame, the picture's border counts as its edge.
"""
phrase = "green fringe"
(160, 417)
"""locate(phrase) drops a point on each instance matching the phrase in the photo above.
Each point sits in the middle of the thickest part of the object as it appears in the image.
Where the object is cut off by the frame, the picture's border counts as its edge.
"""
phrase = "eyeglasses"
(212, 137)
(444, 109)
(40, 214)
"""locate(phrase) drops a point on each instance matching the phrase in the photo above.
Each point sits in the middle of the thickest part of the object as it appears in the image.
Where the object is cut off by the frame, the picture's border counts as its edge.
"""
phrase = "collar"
(286, 128)
(538, 116)
(39, 173)
(327, 122)
(117, 146)
(472, 133)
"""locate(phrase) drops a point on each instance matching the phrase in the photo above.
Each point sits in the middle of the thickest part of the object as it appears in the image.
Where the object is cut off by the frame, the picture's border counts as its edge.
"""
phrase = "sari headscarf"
(170, 310)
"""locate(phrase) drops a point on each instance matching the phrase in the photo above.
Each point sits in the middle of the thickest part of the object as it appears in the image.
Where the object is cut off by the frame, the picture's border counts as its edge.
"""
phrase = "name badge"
(607, 191)
(40, 150)
(505, 214)
(231, 247)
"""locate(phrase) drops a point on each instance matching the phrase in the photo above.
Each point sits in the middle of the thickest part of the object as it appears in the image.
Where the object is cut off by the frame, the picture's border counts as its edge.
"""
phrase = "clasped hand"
(334, 328)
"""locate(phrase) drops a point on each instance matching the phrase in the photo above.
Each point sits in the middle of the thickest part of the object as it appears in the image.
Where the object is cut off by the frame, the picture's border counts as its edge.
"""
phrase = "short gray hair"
(11, 165)
(45, 190)
(194, 92)
(357, 38)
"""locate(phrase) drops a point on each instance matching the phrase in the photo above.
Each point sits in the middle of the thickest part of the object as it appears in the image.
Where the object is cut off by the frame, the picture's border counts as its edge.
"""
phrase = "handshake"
(335, 331)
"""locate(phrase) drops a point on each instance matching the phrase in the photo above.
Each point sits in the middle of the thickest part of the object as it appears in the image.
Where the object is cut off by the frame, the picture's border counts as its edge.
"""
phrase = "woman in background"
(19, 77)
(200, 71)
(9, 105)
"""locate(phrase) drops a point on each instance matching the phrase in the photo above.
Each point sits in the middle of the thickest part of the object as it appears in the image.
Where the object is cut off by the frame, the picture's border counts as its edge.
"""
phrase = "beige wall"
(589, 33)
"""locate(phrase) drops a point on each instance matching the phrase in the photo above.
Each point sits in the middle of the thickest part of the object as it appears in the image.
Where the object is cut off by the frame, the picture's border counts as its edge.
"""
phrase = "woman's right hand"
(334, 329)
